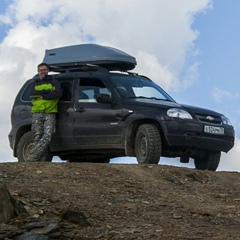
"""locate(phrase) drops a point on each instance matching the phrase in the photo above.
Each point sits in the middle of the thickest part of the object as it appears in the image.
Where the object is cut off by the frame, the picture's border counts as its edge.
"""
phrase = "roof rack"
(77, 68)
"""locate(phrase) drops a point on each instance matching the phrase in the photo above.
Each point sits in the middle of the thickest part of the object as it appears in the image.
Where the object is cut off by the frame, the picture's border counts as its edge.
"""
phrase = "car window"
(89, 88)
(26, 94)
(139, 87)
(67, 88)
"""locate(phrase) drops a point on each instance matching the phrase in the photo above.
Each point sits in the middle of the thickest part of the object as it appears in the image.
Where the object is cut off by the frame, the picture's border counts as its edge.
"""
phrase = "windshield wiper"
(154, 98)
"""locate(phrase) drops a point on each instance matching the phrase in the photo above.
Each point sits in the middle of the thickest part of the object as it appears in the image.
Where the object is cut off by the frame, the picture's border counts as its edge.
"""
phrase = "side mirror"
(104, 98)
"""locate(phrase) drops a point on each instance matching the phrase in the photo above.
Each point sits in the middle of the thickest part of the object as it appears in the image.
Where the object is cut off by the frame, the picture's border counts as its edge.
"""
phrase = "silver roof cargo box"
(103, 56)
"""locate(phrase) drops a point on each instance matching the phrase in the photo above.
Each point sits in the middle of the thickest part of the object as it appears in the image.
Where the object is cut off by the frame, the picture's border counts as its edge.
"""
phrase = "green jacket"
(50, 91)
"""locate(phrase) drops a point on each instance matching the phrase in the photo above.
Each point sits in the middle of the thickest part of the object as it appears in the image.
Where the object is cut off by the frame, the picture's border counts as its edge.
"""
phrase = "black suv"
(105, 114)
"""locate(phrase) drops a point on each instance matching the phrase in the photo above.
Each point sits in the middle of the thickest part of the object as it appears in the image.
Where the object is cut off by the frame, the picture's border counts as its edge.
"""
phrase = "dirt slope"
(117, 201)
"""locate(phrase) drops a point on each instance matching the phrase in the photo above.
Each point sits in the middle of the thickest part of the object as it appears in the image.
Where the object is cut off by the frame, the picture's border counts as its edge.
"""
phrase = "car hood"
(199, 110)
(151, 103)
(168, 104)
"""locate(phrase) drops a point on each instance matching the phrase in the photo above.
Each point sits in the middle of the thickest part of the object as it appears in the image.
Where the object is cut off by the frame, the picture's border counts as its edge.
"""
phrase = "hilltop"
(121, 201)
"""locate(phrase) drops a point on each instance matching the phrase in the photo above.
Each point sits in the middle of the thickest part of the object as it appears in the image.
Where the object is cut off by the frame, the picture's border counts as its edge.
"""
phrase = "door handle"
(80, 109)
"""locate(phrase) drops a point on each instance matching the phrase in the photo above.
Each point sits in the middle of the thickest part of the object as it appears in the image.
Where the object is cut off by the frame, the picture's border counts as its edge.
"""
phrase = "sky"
(190, 48)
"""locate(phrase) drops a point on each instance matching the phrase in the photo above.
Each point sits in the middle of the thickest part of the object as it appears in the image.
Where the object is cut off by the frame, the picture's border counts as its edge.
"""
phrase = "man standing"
(45, 92)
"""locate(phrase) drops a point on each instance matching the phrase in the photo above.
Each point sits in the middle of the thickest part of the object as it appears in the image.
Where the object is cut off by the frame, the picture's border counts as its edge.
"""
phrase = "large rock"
(9, 207)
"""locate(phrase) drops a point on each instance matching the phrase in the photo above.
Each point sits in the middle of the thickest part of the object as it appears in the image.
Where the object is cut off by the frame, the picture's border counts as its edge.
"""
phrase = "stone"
(7, 211)
(31, 236)
(76, 217)
(9, 207)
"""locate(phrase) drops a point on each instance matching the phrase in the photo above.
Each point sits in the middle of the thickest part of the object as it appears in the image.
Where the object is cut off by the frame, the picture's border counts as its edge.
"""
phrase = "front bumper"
(190, 134)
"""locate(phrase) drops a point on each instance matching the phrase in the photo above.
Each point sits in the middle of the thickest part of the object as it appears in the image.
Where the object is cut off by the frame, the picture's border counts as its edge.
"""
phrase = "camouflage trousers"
(43, 127)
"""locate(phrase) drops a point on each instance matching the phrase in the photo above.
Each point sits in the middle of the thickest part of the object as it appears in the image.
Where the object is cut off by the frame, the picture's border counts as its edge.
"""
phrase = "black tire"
(25, 146)
(208, 161)
(148, 144)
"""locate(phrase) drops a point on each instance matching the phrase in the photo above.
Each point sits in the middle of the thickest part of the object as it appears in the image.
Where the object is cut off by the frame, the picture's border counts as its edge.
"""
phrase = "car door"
(96, 124)
(63, 139)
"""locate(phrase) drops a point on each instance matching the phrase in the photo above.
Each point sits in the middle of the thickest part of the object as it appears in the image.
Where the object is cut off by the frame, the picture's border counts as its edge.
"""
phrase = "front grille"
(206, 118)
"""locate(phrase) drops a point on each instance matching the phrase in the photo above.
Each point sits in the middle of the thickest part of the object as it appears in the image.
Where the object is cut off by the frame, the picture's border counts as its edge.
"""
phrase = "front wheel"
(208, 161)
(148, 144)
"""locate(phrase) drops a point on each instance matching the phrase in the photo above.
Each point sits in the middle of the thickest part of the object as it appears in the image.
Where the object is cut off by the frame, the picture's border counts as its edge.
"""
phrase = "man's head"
(43, 70)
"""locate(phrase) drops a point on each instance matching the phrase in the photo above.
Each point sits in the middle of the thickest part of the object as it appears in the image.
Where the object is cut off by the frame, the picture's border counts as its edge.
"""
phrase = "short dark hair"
(43, 64)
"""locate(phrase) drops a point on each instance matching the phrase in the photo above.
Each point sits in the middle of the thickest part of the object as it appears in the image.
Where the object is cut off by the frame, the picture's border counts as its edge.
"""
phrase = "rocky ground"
(117, 201)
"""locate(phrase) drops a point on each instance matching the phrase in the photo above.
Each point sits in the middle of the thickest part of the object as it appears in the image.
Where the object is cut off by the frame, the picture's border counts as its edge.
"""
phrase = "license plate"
(214, 130)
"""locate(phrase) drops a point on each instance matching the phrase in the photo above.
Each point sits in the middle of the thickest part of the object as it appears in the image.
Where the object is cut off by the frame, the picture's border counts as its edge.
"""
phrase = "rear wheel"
(208, 161)
(148, 144)
(25, 146)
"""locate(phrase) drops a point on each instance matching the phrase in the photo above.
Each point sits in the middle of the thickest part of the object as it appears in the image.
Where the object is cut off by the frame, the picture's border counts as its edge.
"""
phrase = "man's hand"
(39, 98)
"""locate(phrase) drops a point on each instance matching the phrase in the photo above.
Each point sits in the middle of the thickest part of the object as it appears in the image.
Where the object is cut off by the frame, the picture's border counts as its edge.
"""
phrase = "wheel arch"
(132, 130)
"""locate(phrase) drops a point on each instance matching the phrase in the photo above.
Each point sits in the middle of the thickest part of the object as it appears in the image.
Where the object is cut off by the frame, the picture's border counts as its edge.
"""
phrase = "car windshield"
(131, 86)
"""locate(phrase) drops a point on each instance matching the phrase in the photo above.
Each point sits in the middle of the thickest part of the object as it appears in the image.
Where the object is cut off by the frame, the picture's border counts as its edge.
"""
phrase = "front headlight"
(178, 113)
(225, 120)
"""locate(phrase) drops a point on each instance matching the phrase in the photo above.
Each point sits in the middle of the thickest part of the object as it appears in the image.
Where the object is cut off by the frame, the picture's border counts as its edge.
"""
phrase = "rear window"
(26, 94)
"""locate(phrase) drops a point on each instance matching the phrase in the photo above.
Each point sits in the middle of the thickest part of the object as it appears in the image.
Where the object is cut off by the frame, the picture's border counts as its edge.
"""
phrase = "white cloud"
(158, 28)
(157, 32)
(220, 95)
(160, 73)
